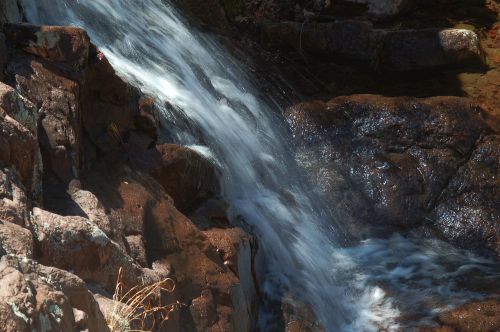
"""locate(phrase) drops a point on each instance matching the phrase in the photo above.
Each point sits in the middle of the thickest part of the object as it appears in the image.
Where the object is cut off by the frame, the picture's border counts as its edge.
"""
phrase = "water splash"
(208, 102)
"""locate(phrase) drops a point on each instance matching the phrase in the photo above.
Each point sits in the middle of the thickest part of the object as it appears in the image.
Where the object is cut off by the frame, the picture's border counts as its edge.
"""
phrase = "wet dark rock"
(468, 211)
(3, 56)
(299, 317)
(211, 213)
(147, 120)
(406, 162)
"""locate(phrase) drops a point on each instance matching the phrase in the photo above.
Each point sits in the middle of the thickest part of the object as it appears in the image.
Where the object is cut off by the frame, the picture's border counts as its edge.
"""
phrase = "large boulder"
(405, 162)
(387, 50)
(213, 266)
(34, 297)
(187, 176)
(76, 244)
(468, 210)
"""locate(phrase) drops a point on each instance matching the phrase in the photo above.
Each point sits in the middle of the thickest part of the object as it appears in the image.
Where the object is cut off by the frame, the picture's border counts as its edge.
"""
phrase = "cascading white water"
(151, 46)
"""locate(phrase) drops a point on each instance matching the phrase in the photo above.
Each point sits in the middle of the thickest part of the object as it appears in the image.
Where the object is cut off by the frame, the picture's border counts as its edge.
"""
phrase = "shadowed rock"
(187, 176)
(386, 50)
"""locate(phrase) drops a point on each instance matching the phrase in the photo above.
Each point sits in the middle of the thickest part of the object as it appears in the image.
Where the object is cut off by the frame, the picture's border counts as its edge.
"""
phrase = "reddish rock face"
(18, 108)
(61, 239)
(90, 206)
(140, 208)
(34, 297)
(19, 150)
(147, 121)
(67, 100)
(188, 177)
(15, 240)
(66, 45)
(406, 162)
(76, 90)
(40, 74)
(110, 106)
(59, 129)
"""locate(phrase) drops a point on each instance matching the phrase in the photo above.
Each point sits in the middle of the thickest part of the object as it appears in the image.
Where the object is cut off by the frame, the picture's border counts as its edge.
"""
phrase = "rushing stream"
(211, 105)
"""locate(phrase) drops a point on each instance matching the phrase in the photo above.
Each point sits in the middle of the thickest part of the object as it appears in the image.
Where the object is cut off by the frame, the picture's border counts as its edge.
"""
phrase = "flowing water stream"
(209, 103)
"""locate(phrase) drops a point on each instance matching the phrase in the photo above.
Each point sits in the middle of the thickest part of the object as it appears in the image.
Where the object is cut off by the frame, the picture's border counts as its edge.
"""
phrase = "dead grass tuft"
(140, 306)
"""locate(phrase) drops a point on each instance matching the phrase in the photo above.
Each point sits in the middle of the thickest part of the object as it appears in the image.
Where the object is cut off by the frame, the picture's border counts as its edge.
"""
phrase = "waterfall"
(209, 103)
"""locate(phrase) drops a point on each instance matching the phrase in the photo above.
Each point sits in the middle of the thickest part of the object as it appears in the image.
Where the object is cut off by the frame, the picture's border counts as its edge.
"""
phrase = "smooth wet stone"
(405, 162)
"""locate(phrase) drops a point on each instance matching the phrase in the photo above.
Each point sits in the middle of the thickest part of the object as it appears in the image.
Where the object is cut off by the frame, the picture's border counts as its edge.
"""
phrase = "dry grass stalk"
(140, 305)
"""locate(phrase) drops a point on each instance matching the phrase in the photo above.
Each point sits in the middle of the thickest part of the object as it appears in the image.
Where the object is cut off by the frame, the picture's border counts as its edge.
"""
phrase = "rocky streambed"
(393, 108)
